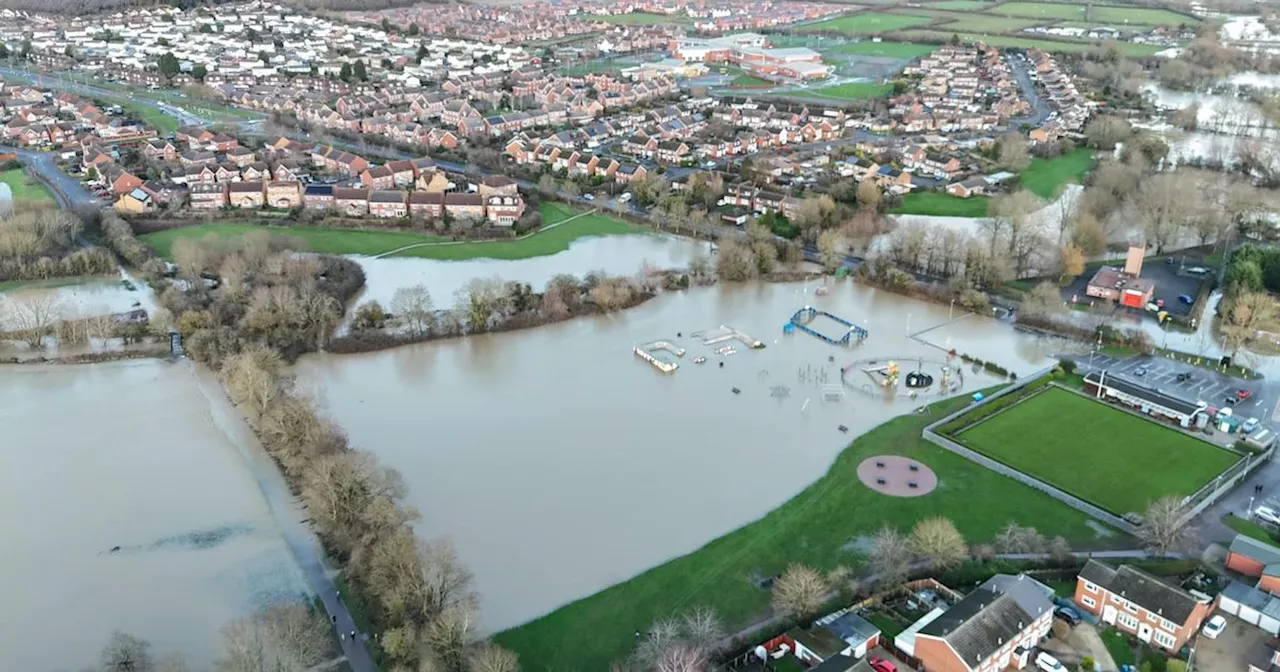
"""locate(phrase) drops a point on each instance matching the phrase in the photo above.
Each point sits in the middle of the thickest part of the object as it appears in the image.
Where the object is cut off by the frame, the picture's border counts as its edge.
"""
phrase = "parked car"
(588, 197)
(1048, 663)
(1249, 425)
(1243, 394)
(1071, 616)
(1186, 298)
(1184, 378)
(1140, 371)
(1214, 627)
(1267, 514)
(625, 197)
(1153, 308)
(1197, 270)
(882, 665)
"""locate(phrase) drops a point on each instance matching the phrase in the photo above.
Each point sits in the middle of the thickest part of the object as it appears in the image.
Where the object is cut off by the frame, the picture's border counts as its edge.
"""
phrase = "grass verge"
(816, 527)
(1098, 453)
(1248, 528)
(24, 191)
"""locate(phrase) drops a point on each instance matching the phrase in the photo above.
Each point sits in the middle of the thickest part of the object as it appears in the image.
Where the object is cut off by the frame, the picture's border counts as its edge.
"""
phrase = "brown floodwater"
(560, 463)
(144, 456)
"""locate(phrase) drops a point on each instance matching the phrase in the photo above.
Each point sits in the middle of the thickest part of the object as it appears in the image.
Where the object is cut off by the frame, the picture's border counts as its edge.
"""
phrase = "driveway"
(1238, 647)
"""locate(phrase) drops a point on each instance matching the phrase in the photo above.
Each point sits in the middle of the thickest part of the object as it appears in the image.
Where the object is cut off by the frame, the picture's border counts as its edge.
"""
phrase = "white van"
(1267, 515)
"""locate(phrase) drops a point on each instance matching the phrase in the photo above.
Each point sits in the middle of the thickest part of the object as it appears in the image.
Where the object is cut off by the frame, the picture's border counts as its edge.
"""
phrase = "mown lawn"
(941, 204)
(1044, 176)
(815, 527)
(854, 91)
(980, 23)
(370, 243)
(1110, 15)
(1096, 452)
(866, 23)
(1041, 10)
(22, 191)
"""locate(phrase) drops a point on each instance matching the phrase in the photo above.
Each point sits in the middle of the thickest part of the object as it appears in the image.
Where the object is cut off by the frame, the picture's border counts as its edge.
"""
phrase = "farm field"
(959, 5)
(816, 525)
(1098, 453)
(866, 23)
(22, 191)
(1040, 10)
(1054, 46)
(1103, 14)
(552, 238)
(853, 91)
(980, 23)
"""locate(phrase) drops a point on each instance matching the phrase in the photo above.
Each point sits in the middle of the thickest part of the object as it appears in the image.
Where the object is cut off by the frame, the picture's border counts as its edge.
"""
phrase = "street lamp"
(951, 309)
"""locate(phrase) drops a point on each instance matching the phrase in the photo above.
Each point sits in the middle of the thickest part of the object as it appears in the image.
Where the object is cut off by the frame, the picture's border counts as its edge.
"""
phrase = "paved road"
(71, 195)
(1040, 107)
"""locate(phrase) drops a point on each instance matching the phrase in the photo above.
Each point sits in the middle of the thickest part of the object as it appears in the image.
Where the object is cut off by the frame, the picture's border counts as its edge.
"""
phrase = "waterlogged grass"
(1044, 176)
(814, 527)
(370, 243)
(23, 191)
(866, 23)
(54, 283)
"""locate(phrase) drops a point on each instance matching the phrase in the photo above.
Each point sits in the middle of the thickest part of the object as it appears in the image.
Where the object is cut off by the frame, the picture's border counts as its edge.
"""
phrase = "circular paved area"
(892, 475)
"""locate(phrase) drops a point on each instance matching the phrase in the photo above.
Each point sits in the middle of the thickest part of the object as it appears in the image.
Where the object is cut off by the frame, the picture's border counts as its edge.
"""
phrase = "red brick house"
(351, 202)
(426, 204)
(504, 210)
(207, 195)
(379, 177)
(1140, 604)
(384, 203)
(1256, 559)
(994, 628)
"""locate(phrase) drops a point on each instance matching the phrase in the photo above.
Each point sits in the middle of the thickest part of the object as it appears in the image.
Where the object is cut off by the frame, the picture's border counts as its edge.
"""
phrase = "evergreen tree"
(360, 71)
(345, 73)
(199, 71)
(168, 64)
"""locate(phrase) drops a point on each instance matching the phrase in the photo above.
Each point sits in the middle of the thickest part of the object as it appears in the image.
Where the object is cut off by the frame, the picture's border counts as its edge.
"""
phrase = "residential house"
(284, 194)
(403, 173)
(974, 186)
(318, 197)
(994, 628)
(207, 195)
(135, 202)
(504, 210)
(464, 206)
(629, 172)
(241, 156)
(378, 177)
(121, 181)
(388, 203)
(498, 185)
(246, 194)
(426, 205)
(1140, 604)
(433, 183)
(351, 202)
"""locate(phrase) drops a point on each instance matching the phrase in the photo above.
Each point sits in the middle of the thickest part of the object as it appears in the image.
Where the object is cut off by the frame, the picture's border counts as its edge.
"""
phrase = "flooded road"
(132, 455)
(560, 463)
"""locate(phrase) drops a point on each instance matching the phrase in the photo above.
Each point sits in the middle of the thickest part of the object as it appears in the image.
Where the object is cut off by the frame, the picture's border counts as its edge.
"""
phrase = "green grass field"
(1040, 10)
(638, 19)
(866, 23)
(369, 243)
(1053, 46)
(854, 91)
(1044, 176)
(1098, 453)
(815, 527)
(942, 205)
(958, 5)
(1139, 16)
(886, 49)
(22, 191)
(980, 23)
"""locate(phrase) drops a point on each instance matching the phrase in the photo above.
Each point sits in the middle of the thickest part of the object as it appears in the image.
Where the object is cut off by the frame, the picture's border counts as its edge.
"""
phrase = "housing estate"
(1157, 613)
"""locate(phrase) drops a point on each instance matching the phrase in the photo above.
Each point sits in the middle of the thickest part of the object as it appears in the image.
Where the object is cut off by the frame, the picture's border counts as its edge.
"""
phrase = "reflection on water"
(560, 463)
(97, 297)
(125, 455)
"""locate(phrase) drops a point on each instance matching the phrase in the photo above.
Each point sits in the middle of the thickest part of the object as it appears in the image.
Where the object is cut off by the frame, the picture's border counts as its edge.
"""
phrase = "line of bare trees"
(285, 636)
(246, 306)
(40, 244)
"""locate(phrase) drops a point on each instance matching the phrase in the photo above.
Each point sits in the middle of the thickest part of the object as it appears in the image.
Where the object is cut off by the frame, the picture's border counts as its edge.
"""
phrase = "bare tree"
(126, 653)
(1105, 131)
(252, 379)
(1163, 525)
(890, 557)
(938, 541)
(1012, 215)
(413, 307)
(1072, 259)
(831, 246)
(1060, 550)
(31, 315)
(1088, 235)
(683, 658)
(286, 636)
(1246, 315)
(1161, 206)
(799, 591)
(1017, 538)
(1013, 152)
(869, 195)
(1043, 299)
(489, 657)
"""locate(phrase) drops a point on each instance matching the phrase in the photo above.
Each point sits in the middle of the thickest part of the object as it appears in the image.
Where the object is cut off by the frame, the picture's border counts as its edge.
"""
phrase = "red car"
(882, 665)
(1241, 395)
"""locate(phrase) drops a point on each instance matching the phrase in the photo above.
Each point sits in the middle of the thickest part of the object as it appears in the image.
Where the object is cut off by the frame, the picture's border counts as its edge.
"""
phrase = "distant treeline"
(83, 7)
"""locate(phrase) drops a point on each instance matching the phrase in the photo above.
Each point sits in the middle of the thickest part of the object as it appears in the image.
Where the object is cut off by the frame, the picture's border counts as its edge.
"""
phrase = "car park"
(1185, 378)
(1214, 627)
(1048, 663)
(1243, 394)
(1140, 371)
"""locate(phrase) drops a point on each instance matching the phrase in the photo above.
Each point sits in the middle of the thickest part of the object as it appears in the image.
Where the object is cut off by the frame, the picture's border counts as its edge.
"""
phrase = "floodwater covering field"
(560, 463)
(140, 456)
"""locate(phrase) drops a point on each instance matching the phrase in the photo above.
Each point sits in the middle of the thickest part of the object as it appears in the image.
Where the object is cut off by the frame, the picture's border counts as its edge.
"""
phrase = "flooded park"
(125, 483)
(557, 453)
